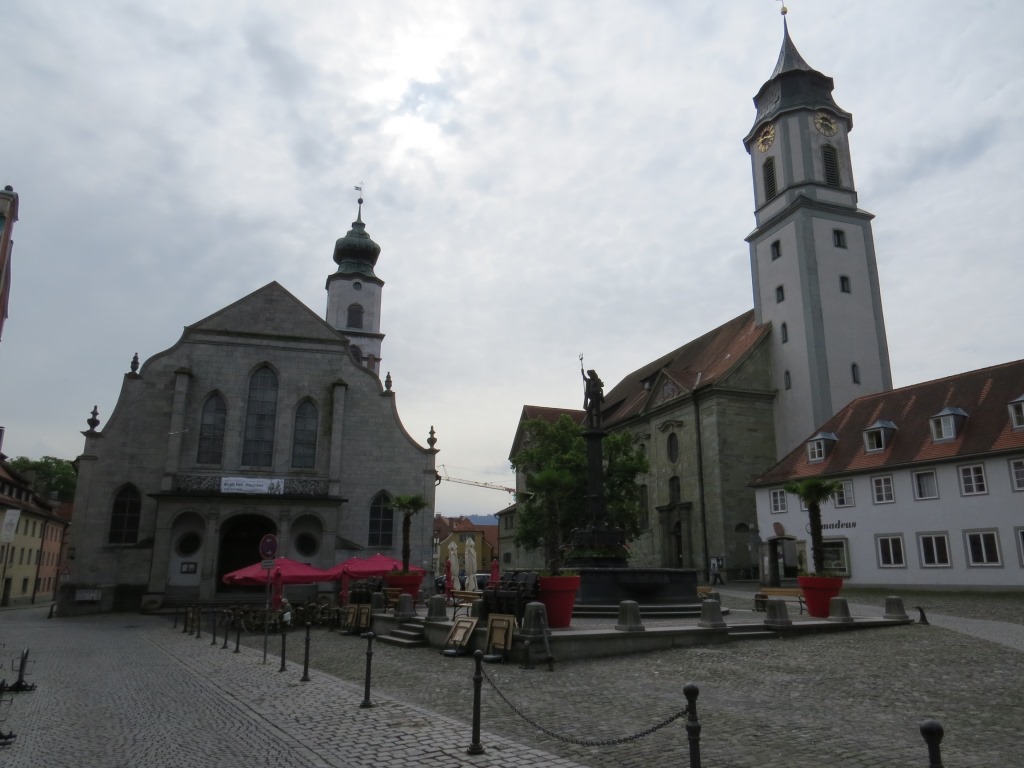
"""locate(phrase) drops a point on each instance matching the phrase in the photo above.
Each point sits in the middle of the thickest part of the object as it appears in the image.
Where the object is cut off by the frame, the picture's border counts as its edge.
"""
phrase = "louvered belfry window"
(831, 160)
(770, 187)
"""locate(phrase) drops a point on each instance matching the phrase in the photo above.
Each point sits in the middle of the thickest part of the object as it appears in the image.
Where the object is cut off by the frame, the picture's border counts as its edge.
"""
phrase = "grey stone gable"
(267, 311)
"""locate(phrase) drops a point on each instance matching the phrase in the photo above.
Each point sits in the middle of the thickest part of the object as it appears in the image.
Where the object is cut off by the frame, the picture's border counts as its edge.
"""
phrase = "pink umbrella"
(278, 589)
(292, 572)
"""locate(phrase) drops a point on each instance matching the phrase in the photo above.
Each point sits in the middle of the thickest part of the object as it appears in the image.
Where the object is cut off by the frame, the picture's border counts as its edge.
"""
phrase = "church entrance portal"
(240, 546)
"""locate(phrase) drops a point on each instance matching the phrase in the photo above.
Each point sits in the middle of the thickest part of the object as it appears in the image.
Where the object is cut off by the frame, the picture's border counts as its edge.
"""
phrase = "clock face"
(766, 138)
(826, 124)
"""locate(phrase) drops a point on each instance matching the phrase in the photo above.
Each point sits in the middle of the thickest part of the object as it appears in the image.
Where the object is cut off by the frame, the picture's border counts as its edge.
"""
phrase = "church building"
(718, 411)
(262, 419)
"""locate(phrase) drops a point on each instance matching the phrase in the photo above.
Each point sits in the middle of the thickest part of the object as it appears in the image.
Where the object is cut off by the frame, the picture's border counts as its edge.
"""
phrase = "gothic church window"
(125, 515)
(304, 437)
(382, 522)
(830, 158)
(355, 316)
(770, 188)
(211, 431)
(260, 419)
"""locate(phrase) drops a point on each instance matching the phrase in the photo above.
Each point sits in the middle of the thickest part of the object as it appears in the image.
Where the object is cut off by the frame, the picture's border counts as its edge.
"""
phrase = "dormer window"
(946, 423)
(1017, 412)
(819, 446)
(878, 435)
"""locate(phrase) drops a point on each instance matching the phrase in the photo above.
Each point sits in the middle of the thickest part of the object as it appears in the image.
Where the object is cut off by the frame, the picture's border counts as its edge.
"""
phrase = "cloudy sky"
(545, 178)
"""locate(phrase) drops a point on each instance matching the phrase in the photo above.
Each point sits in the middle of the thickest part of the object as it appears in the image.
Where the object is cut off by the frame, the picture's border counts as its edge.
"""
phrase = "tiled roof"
(699, 363)
(985, 395)
(534, 412)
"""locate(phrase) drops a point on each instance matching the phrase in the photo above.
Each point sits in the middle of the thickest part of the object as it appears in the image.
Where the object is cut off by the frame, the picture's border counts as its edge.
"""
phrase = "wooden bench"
(789, 594)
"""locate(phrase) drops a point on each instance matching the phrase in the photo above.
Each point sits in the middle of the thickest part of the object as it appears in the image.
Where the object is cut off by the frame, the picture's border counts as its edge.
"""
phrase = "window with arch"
(304, 437)
(355, 316)
(784, 333)
(672, 447)
(855, 373)
(260, 419)
(787, 380)
(125, 515)
(830, 159)
(674, 492)
(844, 284)
(211, 431)
(768, 171)
(382, 521)
(780, 294)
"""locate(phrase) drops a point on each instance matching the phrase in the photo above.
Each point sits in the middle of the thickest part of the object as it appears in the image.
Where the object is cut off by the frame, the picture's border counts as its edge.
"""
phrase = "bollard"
(932, 732)
(238, 634)
(369, 660)
(305, 658)
(476, 748)
(284, 644)
(691, 691)
(213, 623)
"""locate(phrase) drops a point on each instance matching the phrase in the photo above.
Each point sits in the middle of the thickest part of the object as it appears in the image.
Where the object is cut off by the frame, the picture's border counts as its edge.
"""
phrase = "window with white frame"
(934, 550)
(890, 551)
(982, 548)
(844, 496)
(972, 480)
(882, 487)
(874, 440)
(926, 485)
(816, 450)
(778, 498)
(1017, 474)
(943, 428)
(1017, 414)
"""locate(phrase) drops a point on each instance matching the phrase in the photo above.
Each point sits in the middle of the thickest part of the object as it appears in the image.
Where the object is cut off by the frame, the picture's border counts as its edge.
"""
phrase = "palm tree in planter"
(822, 586)
(408, 505)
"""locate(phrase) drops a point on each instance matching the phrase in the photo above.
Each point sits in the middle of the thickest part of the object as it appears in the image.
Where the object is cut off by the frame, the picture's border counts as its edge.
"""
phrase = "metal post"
(199, 623)
(369, 661)
(227, 630)
(266, 627)
(932, 732)
(476, 748)
(238, 634)
(284, 644)
(184, 621)
(305, 658)
(213, 622)
(175, 618)
(691, 691)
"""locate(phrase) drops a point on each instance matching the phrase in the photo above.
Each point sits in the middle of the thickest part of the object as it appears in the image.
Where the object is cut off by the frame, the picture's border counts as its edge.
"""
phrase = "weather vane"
(784, 10)
(359, 189)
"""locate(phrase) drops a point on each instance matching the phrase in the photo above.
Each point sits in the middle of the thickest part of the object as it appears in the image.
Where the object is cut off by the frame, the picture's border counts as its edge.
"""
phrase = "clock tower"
(354, 293)
(812, 254)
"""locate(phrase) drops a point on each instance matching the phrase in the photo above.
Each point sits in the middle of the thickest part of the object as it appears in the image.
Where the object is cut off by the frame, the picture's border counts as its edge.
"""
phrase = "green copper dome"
(356, 252)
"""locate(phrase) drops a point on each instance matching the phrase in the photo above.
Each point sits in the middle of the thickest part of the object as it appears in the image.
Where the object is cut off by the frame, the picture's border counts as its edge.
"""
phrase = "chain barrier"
(578, 741)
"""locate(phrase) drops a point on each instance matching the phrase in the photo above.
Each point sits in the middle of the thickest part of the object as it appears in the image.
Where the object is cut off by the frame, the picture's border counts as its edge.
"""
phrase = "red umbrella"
(292, 572)
(278, 590)
(364, 567)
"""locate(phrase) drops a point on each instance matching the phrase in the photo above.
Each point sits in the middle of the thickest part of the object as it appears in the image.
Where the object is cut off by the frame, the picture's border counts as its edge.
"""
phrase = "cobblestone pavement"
(843, 700)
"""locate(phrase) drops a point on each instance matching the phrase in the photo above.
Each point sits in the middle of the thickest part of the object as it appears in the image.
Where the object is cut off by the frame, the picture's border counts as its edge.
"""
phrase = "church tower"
(354, 293)
(812, 254)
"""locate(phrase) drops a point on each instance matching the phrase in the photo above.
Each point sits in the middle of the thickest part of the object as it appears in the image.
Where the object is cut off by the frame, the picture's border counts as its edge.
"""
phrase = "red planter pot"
(409, 583)
(818, 591)
(558, 593)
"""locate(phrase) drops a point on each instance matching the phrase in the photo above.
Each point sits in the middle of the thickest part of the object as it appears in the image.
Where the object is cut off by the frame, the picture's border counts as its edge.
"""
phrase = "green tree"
(48, 474)
(408, 506)
(554, 459)
(813, 492)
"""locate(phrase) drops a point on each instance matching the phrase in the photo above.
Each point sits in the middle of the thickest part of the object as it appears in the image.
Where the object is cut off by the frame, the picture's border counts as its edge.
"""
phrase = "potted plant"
(820, 587)
(405, 580)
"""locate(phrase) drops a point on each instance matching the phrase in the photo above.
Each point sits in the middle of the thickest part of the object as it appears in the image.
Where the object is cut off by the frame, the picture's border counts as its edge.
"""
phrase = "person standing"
(716, 573)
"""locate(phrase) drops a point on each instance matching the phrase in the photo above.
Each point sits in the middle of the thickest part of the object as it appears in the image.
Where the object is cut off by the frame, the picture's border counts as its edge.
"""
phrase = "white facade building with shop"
(933, 486)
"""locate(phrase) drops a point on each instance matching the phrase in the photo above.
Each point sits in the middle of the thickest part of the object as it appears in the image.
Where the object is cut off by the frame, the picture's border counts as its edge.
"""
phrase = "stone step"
(402, 641)
(753, 632)
(649, 611)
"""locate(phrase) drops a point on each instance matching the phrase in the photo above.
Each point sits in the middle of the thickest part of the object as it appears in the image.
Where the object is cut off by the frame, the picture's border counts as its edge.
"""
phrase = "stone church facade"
(717, 412)
(262, 418)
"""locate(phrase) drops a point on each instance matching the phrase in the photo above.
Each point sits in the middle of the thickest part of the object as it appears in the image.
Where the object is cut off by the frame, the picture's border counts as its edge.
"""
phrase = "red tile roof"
(984, 394)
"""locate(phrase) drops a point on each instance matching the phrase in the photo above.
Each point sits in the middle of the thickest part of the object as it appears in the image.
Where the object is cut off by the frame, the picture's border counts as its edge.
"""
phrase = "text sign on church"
(251, 485)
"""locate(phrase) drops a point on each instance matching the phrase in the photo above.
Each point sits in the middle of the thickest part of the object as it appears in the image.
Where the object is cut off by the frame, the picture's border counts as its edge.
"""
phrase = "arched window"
(355, 316)
(787, 382)
(768, 170)
(382, 522)
(855, 373)
(830, 159)
(780, 294)
(304, 438)
(673, 490)
(784, 333)
(260, 419)
(211, 431)
(672, 447)
(124, 516)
